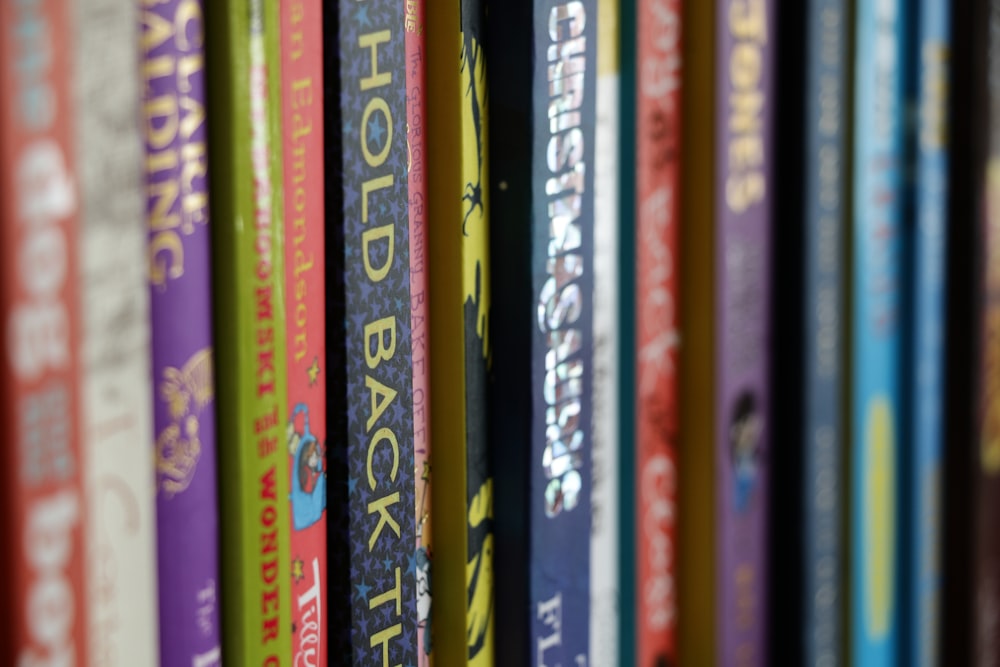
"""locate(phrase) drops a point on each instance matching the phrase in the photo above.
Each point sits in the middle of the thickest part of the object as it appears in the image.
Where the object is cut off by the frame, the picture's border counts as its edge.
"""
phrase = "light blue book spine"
(876, 410)
(932, 54)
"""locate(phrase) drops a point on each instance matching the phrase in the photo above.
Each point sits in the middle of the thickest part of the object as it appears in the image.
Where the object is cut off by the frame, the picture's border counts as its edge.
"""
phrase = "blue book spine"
(823, 312)
(934, 45)
(564, 84)
(877, 400)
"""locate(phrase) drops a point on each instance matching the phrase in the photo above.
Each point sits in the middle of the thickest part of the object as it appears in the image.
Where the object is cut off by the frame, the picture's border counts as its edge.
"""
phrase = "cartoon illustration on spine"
(744, 448)
(476, 309)
(423, 561)
(308, 471)
(187, 391)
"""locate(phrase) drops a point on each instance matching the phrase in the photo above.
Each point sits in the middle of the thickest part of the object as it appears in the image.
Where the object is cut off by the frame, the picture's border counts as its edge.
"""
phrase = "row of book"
(690, 306)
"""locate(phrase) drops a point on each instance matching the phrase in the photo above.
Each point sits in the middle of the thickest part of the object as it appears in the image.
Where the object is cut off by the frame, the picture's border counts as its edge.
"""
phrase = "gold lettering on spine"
(301, 91)
(171, 121)
(384, 519)
(379, 335)
(372, 41)
(376, 104)
(383, 435)
(369, 237)
(745, 182)
(167, 253)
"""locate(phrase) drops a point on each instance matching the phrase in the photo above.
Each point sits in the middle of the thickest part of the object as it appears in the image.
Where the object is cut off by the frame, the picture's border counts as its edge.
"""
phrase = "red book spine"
(302, 113)
(416, 110)
(658, 91)
(44, 616)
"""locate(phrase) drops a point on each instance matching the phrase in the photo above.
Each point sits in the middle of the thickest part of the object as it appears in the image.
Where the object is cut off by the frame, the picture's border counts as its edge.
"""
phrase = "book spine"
(248, 205)
(184, 419)
(967, 118)
(462, 318)
(658, 136)
(697, 630)
(628, 560)
(302, 115)
(876, 333)
(823, 313)
(416, 113)
(604, 540)
(929, 312)
(117, 397)
(381, 608)
(43, 505)
(564, 78)
(743, 184)
(986, 477)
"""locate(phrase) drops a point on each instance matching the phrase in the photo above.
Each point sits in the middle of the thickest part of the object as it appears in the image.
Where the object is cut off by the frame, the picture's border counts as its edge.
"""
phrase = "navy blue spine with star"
(359, 574)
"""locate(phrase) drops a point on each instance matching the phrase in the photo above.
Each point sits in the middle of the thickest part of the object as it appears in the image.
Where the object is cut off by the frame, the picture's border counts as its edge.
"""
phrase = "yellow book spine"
(458, 209)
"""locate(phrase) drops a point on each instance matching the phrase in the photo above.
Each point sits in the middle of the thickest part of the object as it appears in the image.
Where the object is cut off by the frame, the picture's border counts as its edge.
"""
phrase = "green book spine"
(242, 39)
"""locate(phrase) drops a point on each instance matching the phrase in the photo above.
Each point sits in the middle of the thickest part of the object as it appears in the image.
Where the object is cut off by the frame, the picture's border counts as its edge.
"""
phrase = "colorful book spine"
(416, 115)
(604, 537)
(117, 396)
(658, 137)
(248, 234)
(822, 438)
(461, 317)
(876, 329)
(369, 275)
(184, 415)
(986, 496)
(44, 595)
(929, 311)
(302, 115)
(544, 88)
(744, 154)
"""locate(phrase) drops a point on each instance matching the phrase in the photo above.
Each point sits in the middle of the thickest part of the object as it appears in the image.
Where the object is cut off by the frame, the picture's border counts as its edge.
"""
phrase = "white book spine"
(117, 383)
(604, 566)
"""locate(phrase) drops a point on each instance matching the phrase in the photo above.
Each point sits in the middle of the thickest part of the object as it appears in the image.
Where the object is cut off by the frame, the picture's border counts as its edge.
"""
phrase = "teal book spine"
(627, 349)
(878, 244)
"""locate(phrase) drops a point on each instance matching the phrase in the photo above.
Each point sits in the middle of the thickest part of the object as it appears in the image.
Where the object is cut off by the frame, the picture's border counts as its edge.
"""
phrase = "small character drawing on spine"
(308, 471)
(423, 563)
(187, 392)
(744, 448)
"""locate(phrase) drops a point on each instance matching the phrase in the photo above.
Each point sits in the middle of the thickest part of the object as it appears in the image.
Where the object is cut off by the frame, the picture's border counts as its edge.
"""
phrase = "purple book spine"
(181, 310)
(744, 77)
